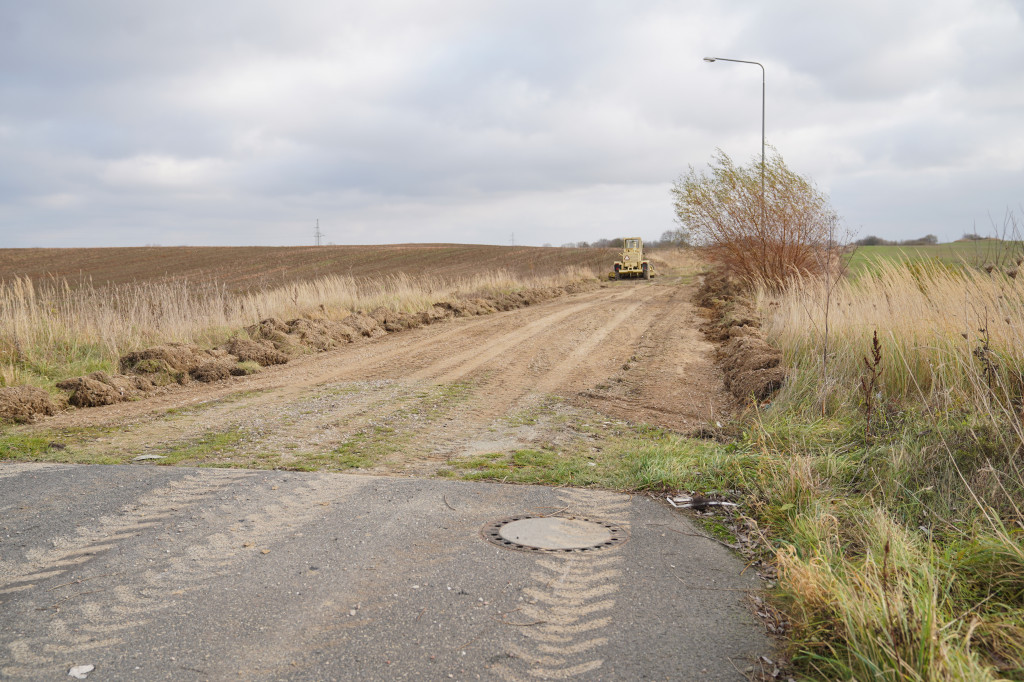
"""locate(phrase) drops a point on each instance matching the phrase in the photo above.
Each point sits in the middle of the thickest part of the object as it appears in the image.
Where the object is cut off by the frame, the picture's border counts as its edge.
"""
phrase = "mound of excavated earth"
(171, 357)
(100, 388)
(24, 403)
(751, 365)
(262, 353)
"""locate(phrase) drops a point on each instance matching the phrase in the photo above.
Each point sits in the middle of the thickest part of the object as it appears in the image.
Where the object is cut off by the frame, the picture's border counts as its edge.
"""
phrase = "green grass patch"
(438, 400)
(248, 367)
(66, 446)
(353, 461)
(654, 461)
(545, 467)
(362, 450)
(957, 254)
(205, 450)
(895, 551)
(24, 448)
(44, 367)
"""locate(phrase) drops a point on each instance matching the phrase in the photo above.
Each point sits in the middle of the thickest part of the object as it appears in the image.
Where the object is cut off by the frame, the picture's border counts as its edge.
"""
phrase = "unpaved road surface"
(413, 401)
(151, 572)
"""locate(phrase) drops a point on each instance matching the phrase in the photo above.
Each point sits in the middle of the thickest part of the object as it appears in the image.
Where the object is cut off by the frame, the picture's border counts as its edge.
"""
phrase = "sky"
(244, 122)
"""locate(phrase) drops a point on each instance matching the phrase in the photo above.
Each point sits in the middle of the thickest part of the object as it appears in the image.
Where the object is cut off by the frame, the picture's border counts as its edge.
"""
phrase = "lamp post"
(744, 61)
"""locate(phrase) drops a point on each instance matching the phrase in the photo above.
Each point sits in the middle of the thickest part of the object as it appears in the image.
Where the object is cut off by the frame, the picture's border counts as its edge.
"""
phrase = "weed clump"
(905, 558)
(243, 369)
(166, 358)
(763, 221)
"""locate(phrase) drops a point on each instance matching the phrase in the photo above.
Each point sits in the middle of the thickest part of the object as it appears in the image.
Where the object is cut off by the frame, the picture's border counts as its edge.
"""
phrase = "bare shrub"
(760, 241)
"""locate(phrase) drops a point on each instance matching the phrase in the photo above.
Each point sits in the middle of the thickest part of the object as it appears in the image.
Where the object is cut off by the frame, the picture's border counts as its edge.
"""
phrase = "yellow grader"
(631, 263)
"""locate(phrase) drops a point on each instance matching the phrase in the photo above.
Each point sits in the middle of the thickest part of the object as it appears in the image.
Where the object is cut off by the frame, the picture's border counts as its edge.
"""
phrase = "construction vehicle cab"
(632, 263)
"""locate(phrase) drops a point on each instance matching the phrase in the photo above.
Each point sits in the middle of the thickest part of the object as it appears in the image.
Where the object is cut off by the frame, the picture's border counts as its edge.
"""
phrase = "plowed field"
(250, 267)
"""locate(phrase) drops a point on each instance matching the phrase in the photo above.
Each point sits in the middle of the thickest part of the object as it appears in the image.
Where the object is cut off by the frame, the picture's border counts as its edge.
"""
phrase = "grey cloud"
(243, 121)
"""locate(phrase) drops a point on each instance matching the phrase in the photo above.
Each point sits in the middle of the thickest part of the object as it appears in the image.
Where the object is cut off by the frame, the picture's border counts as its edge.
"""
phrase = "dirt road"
(412, 401)
(147, 572)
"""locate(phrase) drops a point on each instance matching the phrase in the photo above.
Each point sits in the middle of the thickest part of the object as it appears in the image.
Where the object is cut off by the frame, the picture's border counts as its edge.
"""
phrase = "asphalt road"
(153, 573)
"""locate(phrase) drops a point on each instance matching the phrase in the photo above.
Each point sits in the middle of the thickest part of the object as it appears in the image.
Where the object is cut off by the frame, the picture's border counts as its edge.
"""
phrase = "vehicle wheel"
(647, 272)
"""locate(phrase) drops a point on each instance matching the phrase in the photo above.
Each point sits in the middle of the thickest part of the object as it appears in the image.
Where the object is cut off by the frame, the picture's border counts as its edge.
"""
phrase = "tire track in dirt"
(573, 598)
(512, 359)
(82, 623)
(567, 355)
(453, 368)
(405, 359)
(575, 359)
(672, 383)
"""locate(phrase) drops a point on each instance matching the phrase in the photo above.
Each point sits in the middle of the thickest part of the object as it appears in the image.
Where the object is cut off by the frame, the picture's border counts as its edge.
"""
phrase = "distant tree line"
(678, 238)
(871, 240)
(927, 240)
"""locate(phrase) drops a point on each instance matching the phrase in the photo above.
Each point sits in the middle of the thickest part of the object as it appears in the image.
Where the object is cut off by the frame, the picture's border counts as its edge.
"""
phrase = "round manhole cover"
(554, 534)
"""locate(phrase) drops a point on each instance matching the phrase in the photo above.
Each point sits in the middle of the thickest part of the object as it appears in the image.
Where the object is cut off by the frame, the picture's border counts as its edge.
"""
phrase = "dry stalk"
(869, 382)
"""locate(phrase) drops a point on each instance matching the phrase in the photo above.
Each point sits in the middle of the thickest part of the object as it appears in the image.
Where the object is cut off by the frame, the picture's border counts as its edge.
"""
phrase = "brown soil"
(99, 388)
(629, 350)
(262, 353)
(750, 364)
(24, 403)
(254, 267)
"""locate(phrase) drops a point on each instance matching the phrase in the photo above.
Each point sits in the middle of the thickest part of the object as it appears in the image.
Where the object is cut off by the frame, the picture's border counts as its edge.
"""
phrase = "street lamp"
(744, 61)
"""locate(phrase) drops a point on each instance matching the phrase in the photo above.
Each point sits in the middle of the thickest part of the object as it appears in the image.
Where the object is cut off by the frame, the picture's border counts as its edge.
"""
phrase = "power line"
(318, 235)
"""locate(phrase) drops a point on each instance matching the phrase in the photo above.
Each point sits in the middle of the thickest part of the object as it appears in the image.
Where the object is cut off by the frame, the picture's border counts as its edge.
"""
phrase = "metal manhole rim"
(492, 534)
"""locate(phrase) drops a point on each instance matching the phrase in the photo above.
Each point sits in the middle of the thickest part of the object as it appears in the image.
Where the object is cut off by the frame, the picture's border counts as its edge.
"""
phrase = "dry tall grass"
(907, 559)
(49, 330)
(951, 334)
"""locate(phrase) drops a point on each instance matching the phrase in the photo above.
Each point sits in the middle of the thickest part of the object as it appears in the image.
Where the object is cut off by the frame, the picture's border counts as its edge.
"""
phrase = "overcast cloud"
(242, 122)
